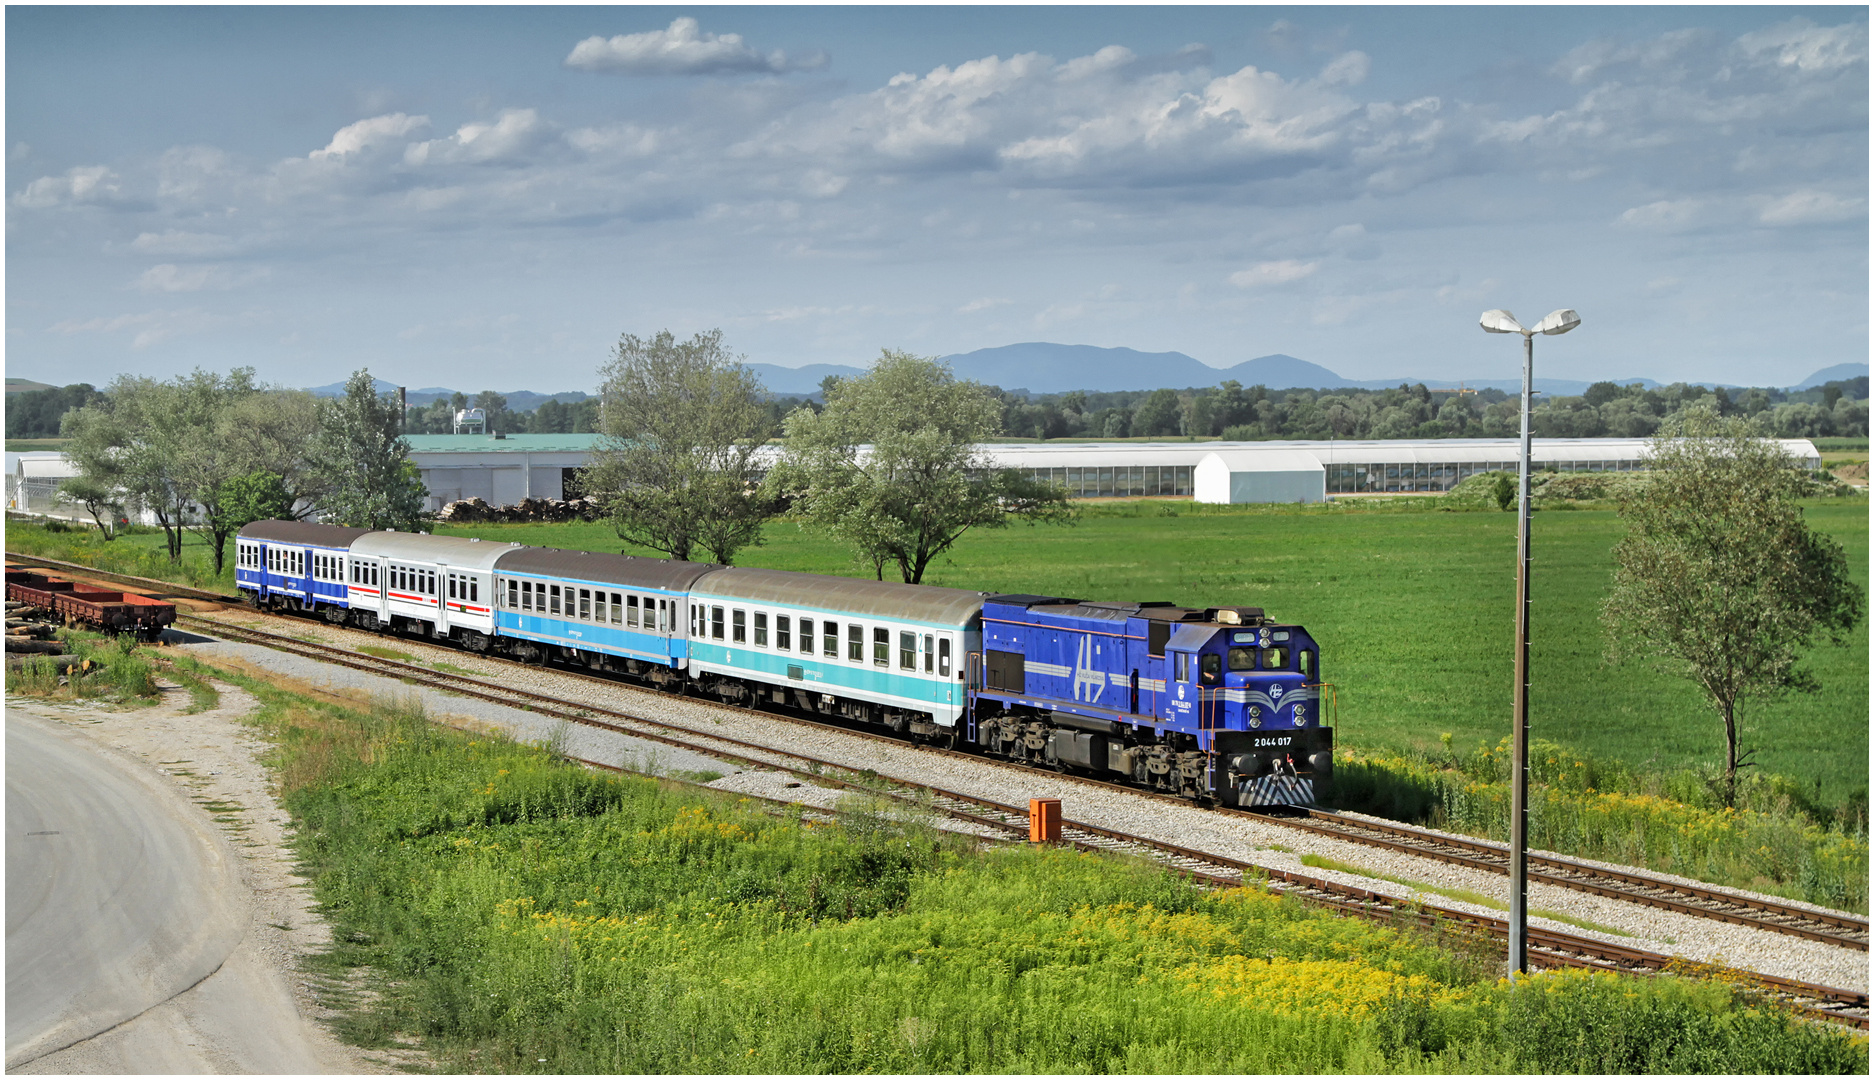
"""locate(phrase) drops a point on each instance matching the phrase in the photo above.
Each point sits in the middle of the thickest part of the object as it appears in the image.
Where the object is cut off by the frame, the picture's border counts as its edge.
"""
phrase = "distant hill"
(518, 400)
(1838, 373)
(22, 386)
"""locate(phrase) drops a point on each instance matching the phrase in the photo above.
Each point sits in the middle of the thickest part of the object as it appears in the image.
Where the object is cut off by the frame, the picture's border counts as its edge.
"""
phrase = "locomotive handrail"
(1333, 697)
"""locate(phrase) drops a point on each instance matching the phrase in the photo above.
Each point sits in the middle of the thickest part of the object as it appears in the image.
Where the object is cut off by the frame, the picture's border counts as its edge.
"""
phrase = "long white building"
(502, 471)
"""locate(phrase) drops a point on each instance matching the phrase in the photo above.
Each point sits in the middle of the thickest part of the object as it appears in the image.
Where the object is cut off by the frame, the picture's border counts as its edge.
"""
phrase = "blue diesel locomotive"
(1219, 704)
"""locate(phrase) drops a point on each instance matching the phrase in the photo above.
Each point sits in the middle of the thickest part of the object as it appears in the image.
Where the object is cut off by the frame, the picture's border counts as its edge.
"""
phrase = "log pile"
(477, 510)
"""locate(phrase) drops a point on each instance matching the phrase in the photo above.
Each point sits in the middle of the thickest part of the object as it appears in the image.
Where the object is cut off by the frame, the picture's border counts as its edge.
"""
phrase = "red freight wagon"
(101, 609)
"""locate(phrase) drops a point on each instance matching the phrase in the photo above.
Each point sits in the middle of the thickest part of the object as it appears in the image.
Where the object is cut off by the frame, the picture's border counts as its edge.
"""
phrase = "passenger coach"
(295, 564)
(625, 612)
(868, 650)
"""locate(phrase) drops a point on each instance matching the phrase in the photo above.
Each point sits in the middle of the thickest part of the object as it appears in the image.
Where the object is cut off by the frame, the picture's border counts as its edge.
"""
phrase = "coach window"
(738, 626)
(929, 659)
(553, 599)
(829, 639)
(784, 632)
(855, 643)
(631, 611)
(881, 647)
(907, 650)
(943, 658)
(761, 629)
(715, 623)
(452, 588)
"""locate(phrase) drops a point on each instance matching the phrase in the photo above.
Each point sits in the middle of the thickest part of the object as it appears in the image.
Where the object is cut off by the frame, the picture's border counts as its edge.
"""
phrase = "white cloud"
(366, 134)
(513, 133)
(1279, 272)
(1666, 214)
(1347, 69)
(170, 278)
(1352, 242)
(179, 242)
(151, 327)
(1811, 208)
(983, 304)
(85, 184)
(683, 49)
(1805, 46)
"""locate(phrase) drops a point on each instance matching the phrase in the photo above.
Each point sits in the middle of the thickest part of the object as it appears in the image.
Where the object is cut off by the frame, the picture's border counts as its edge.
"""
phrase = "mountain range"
(1040, 367)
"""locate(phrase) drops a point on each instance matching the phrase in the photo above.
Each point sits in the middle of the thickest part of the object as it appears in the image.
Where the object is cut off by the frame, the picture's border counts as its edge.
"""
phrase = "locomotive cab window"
(1242, 658)
(1209, 668)
(1183, 666)
(1305, 661)
(1275, 659)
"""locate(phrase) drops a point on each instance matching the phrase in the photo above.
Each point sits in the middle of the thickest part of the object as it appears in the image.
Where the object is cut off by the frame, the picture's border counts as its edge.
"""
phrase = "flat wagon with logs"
(78, 604)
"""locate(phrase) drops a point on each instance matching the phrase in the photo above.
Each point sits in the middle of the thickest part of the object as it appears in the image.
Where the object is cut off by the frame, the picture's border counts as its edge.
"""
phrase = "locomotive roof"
(634, 571)
(456, 551)
(856, 596)
(301, 532)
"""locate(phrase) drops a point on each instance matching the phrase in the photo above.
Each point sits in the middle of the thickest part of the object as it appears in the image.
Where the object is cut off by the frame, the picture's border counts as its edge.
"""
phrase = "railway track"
(1548, 948)
(1835, 928)
(1846, 931)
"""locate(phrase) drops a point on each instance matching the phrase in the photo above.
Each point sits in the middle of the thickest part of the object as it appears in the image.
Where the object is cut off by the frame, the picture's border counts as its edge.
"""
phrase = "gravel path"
(1639, 926)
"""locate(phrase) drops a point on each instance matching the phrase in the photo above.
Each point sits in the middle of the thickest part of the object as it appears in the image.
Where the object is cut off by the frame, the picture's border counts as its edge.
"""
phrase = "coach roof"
(842, 595)
(300, 532)
(633, 571)
(454, 551)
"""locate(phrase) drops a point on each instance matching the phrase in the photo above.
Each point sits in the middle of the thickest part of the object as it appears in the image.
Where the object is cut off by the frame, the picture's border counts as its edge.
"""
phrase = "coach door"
(443, 587)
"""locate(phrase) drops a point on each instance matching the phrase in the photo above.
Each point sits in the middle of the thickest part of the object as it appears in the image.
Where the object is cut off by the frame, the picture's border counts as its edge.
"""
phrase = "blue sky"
(487, 197)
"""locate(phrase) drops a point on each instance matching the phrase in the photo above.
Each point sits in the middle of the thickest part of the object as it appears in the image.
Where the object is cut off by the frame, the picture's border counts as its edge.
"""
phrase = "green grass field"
(1413, 612)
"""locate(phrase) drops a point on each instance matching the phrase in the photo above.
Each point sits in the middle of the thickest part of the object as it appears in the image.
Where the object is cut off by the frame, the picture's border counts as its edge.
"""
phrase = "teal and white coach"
(869, 650)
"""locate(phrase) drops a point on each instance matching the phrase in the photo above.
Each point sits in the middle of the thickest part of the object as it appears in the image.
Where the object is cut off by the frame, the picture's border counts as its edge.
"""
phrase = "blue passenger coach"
(294, 564)
(1211, 702)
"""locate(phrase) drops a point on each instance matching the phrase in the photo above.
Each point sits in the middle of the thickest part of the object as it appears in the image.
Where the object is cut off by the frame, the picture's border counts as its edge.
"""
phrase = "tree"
(257, 496)
(134, 440)
(100, 497)
(676, 470)
(921, 483)
(1158, 415)
(1718, 576)
(362, 463)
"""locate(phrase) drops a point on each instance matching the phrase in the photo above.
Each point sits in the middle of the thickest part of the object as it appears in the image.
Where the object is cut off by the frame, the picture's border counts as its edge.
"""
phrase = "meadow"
(515, 914)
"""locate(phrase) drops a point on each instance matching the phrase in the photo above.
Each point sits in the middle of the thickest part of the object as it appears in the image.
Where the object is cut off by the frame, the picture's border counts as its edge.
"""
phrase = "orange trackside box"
(1044, 821)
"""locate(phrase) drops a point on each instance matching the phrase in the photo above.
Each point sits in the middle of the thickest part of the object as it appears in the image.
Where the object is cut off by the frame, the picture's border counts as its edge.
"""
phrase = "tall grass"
(1773, 841)
(527, 916)
(137, 550)
(109, 668)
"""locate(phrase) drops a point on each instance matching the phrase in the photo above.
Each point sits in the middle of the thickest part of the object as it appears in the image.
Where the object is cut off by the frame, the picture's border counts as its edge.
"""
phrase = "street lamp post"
(1499, 321)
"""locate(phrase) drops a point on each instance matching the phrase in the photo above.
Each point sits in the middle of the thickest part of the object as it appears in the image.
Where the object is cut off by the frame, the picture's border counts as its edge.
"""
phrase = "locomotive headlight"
(1255, 716)
(1301, 714)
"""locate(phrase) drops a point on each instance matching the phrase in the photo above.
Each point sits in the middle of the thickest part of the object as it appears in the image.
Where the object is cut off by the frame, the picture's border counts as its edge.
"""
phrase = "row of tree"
(679, 470)
(210, 453)
(1235, 412)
